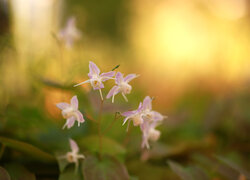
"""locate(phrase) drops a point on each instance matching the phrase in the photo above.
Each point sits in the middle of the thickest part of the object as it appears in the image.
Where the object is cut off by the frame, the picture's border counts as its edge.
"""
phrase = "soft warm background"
(192, 55)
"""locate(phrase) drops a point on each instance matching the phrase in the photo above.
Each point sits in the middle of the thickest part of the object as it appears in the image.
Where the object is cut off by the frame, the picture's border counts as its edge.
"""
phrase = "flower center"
(125, 88)
(137, 120)
(68, 112)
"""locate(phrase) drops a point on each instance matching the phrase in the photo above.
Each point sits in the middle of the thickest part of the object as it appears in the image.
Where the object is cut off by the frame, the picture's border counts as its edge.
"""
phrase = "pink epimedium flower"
(147, 119)
(121, 86)
(69, 33)
(73, 156)
(71, 112)
(135, 116)
(96, 79)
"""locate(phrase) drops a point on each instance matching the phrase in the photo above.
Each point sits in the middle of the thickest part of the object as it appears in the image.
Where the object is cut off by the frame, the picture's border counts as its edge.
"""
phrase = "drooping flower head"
(95, 78)
(69, 33)
(73, 156)
(121, 86)
(71, 112)
(147, 119)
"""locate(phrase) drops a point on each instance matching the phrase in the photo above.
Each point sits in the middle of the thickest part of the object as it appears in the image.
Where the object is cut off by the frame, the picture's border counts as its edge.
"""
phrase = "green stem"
(112, 123)
(99, 130)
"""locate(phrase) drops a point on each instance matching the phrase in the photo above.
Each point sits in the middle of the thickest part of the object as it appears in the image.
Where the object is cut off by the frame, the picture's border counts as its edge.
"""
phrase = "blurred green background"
(192, 55)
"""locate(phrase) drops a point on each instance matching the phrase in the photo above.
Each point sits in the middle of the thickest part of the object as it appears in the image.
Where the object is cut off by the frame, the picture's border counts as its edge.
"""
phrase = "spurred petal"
(62, 106)
(70, 122)
(73, 146)
(93, 69)
(157, 116)
(118, 78)
(130, 77)
(147, 103)
(74, 102)
(113, 91)
(106, 76)
(79, 117)
(128, 113)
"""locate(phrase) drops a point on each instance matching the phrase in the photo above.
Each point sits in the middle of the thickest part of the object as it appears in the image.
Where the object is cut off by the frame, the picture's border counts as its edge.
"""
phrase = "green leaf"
(4, 175)
(27, 149)
(18, 172)
(234, 166)
(70, 173)
(198, 173)
(180, 171)
(106, 169)
(109, 146)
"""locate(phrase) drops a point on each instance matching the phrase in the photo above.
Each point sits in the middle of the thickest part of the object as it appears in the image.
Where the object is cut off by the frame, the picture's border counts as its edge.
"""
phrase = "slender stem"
(112, 123)
(99, 130)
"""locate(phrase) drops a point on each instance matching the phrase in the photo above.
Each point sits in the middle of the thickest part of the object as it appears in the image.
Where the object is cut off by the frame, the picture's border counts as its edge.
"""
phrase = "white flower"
(71, 112)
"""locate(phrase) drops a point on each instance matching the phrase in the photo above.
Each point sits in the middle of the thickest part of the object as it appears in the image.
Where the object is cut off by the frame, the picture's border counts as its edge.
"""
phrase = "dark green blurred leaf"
(180, 171)
(70, 173)
(4, 175)
(109, 146)
(18, 172)
(27, 149)
(234, 166)
(199, 173)
(106, 169)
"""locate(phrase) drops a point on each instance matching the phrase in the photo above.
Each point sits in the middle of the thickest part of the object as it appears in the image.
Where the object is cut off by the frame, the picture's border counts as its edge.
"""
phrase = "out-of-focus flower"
(147, 119)
(96, 79)
(69, 33)
(121, 86)
(71, 112)
(73, 156)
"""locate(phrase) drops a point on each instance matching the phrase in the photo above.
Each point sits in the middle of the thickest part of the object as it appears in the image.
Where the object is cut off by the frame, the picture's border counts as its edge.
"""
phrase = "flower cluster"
(143, 116)
(96, 80)
(147, 119)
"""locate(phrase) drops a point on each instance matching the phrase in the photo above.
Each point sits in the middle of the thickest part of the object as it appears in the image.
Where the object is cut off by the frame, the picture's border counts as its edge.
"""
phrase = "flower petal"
(108, 75)
(93, 69)
(113, 91)
(80, 117)
(128, 113)
(157, 116)
(74, 147)
(118, 78)
(70, 122)
(147, 103)
(74, 102)
(62, 105)
(130, 77)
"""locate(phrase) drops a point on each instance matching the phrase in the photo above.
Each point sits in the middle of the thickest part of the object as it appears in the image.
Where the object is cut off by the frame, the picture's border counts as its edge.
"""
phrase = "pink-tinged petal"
(113, 91)
(147, 103)
(130, 77)
(62, 106)
(108, 75)
(70, 122)
(74, 102)
(128, 113)
(118, 78)
(80, 117)
(125, 120)
(74, 147)
(93, 69)
(140, 107)
(157, 116)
